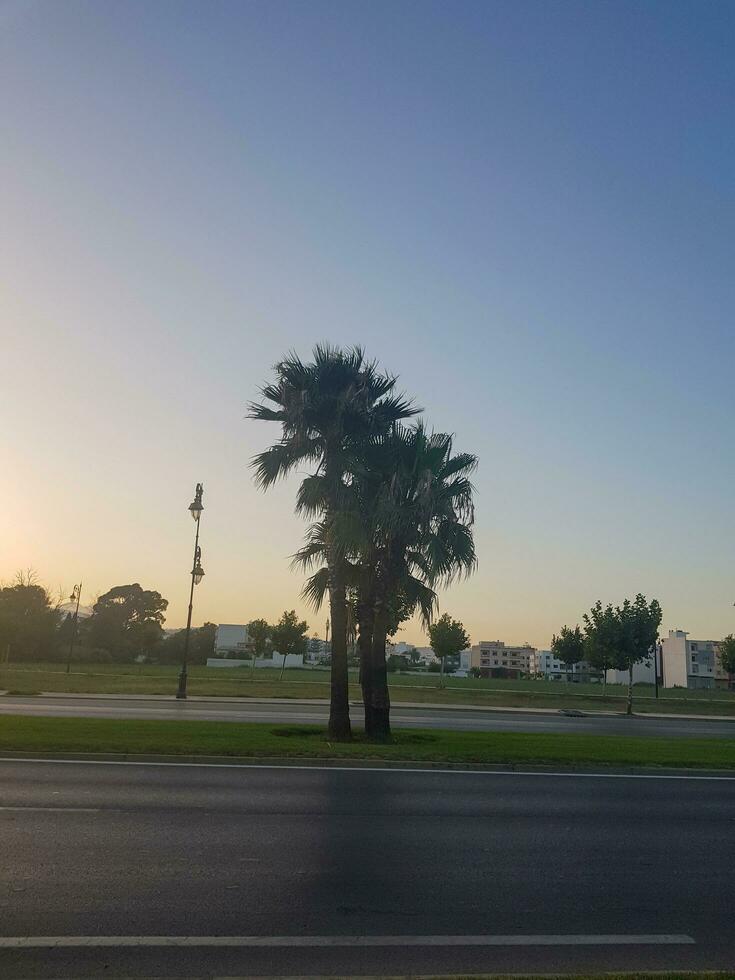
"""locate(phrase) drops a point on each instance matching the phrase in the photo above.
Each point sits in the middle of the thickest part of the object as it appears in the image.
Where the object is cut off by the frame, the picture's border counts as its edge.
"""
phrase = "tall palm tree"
(360, 570)
(328, 410)
(423, 519)
(406, 527)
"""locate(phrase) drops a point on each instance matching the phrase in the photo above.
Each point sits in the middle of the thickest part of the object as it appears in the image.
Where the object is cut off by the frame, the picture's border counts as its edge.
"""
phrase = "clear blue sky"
(525, 209)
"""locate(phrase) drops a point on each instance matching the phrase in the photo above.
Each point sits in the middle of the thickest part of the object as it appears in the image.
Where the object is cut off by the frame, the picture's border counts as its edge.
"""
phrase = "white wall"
(642, 674)
(292, 660)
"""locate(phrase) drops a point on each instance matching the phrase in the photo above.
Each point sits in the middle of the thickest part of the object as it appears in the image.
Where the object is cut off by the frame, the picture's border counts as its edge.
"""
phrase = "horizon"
(524, 211)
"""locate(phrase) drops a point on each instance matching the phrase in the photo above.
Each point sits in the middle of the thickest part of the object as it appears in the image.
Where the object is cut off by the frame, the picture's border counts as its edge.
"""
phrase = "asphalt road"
(458, 719)
(461, 871)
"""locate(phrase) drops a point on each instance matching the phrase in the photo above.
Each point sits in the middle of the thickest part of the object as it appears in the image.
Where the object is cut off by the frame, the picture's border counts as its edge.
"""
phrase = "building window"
(693, 646)
(695, 668)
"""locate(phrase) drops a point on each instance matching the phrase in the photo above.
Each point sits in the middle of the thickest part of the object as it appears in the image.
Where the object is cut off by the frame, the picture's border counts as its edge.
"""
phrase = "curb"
(292, 762)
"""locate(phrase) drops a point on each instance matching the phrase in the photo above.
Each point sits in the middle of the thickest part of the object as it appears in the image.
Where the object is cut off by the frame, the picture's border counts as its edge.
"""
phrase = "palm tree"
(328, 410)
(406, 526)
(423, 519)
(360, 573)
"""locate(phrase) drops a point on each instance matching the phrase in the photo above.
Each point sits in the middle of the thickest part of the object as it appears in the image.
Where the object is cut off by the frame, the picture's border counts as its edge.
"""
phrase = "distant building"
(691, 663)
(554, 669)
(230, 640)
(425, 654)
(495, 659)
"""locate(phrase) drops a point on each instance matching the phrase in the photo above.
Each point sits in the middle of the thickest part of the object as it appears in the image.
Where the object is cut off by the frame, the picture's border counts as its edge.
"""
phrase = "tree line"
(390, 506)
(125, 624)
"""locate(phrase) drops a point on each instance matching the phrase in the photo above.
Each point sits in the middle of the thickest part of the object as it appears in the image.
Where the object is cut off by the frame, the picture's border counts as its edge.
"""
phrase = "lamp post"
(75, 596)
(197, 574)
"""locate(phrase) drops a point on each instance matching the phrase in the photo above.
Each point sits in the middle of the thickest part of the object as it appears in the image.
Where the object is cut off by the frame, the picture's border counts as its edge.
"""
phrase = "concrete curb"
(291, 762)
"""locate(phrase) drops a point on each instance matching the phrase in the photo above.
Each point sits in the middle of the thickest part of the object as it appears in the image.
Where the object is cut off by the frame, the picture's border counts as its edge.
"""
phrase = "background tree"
(289, 637)
(726, 655)
(569, 646)
(29, 619)
(259, 634)
(329, 410)
(601, 629)
(201, 645)
(127, 621)
(624, 636)
(447, 637)
(639, 622)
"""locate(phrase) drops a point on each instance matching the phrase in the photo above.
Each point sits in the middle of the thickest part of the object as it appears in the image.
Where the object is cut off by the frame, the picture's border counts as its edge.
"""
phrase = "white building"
(690, 663)
(230, 640)
(554, 669)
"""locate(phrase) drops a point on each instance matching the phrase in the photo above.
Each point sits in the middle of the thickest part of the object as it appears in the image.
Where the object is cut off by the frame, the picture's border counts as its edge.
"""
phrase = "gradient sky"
(524, 209)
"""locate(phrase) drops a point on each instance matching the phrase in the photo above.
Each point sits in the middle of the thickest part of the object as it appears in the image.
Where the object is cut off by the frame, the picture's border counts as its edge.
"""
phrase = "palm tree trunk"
(379, 695)
(365, 648)
(339, 707)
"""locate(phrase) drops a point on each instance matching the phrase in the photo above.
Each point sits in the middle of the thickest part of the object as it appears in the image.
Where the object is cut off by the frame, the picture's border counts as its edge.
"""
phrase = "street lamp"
(197, 574)
(75, 596)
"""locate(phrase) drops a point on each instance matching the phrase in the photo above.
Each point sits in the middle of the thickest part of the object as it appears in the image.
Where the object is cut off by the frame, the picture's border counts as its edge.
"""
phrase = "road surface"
(264, 871)
(457, 719)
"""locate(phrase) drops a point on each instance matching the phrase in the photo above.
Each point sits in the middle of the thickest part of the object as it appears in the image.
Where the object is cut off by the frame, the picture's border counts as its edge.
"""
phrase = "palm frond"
(315, 588)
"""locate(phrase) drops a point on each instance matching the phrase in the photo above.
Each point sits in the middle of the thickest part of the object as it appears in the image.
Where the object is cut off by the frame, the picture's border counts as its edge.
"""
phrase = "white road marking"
(54, 809)
(384, 769)
(47, 942)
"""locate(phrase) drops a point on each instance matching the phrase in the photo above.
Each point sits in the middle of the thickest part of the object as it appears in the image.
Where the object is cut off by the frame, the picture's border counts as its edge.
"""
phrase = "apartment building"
(691, 663)
(495, 659)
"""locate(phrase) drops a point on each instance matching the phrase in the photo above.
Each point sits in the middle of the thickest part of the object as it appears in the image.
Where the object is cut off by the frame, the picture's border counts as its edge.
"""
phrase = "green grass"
(178, 737)
(314, 683)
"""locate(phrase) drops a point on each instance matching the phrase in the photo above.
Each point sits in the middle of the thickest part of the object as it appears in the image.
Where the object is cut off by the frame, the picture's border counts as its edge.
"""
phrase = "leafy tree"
(569, 646)
(289, 636)
(259, 634)
(201, 645)
(639, 625)
(447, 637)
(601, 635)
(475, 672)
(329, 410)
(727, 654)
(127, 620)
(396, 661)
(624, 636)
(28, 620)
(413, 655)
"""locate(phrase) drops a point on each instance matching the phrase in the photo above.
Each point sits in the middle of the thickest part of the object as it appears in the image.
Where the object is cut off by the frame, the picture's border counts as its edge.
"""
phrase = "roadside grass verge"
(314, 683)
(211, 738)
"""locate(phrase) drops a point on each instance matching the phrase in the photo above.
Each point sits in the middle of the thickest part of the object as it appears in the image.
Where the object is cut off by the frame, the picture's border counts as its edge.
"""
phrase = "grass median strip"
(211, 738)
